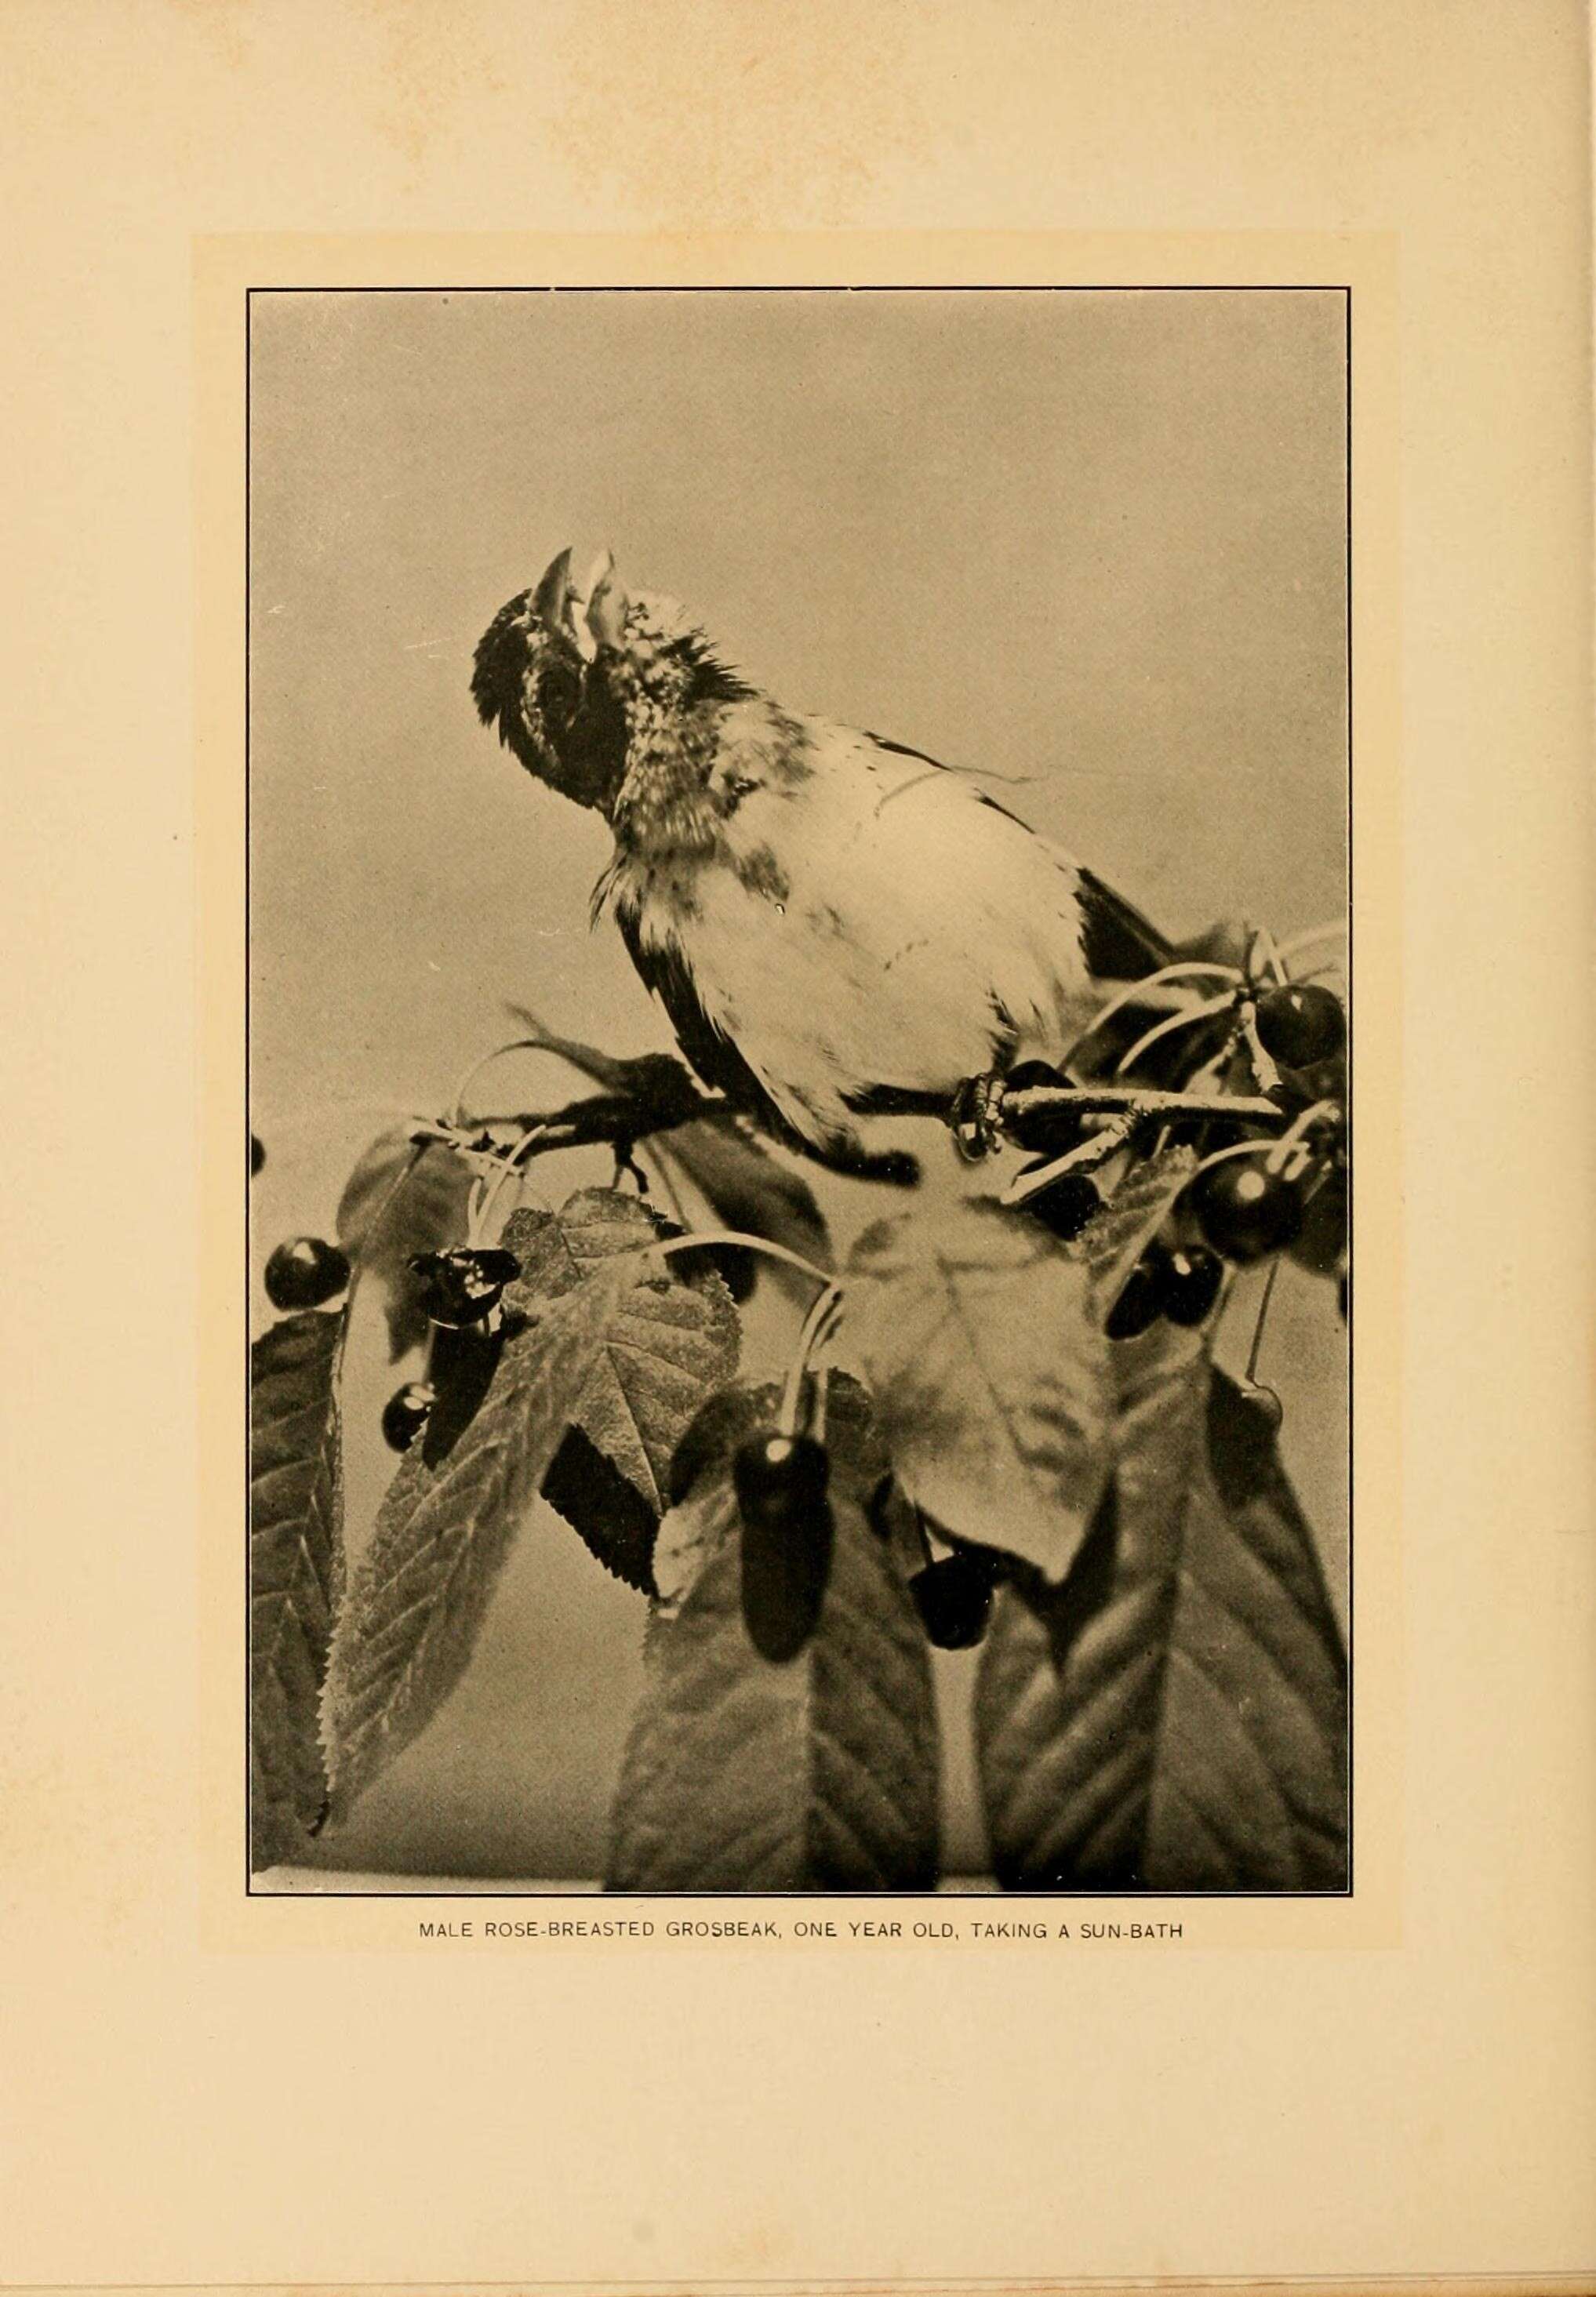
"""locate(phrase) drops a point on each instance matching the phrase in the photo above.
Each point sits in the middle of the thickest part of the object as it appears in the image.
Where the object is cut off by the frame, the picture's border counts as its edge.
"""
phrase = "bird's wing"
(1118, 942)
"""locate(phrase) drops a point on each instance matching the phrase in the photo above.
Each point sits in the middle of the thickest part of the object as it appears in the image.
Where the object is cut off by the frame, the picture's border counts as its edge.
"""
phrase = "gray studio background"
(1094, 540)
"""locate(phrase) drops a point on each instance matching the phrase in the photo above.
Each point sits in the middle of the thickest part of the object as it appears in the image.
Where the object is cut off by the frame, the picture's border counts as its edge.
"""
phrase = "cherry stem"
(1086, 1156)
(671, 1245)
(1336, 931)
(1263, 950)
(1265, 1074)
(1187, 971)
(1253, 1354)
(809, 1337)
(1279, 1150)
(516, 1045)
(1205, 1012)
(1237, 1148)
(478, 1220)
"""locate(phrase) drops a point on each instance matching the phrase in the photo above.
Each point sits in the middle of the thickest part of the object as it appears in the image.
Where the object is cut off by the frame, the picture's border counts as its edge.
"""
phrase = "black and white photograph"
(799, 1176)
(799, 1226)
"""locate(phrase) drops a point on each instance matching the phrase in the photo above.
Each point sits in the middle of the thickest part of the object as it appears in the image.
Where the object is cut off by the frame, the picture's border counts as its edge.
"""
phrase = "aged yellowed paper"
(217, 2083)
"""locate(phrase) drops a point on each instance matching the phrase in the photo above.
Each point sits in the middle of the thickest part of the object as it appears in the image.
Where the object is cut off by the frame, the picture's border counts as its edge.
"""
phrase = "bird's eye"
(559, 693)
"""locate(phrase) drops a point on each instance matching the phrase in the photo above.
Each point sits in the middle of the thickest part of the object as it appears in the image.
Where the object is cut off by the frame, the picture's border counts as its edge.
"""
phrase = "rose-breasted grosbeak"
(833, 923)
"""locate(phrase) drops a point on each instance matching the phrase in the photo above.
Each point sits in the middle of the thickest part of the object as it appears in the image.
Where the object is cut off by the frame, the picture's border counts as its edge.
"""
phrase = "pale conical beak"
(608, 603)
(551, 600)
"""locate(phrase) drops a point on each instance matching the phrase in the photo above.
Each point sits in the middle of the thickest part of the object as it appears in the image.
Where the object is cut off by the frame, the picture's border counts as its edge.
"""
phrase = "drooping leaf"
(666, 1347)
(647, 1078)
(296, 1567)
(817, 1775)
(400, 1200)
(1115, 1238)
(419, 1594)
(990, 1372)
(747, 1190)
(1173, 1717)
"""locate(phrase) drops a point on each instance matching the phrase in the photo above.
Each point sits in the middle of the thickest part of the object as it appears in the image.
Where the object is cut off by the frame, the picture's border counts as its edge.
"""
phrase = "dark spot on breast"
(760, 872)
(790, 760)
(734, 791)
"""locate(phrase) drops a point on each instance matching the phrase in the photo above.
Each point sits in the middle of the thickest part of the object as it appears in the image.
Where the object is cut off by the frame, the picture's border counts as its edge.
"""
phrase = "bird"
(837, 925)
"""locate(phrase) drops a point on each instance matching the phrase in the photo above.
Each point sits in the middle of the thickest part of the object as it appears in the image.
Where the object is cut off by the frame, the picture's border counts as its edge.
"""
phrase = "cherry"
(1264, 1406)
(1053, 1130)
(787, 1539)
(1067, 1206)
(1141, 1301)
(775, 1476)
(465, 1285)
(257, 1155)
(1245, 1211)
(305, 1272)
(954, 1599)
(1301, 1023)
(1321, 1242)
(405, 1414)
(1189, 1286)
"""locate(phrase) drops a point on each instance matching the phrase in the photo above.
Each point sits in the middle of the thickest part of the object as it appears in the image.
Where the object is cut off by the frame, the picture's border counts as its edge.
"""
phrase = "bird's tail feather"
(1117, 942)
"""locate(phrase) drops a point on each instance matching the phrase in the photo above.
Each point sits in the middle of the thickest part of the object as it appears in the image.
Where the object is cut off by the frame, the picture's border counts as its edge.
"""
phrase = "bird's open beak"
(568, 608)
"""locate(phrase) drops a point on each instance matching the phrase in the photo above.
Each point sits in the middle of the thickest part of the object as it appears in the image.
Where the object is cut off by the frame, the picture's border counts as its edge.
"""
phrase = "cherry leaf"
(817, 1775)
(1115, 1238)
(1173, 1717)
(668, 1346)
(296, 1567)
(400, 1200)
(419, 1594)
(979, 1338)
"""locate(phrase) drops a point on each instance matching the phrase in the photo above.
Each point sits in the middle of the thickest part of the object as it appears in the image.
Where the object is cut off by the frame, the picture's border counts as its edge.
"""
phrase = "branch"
(1133, 1100)
(664, 1097)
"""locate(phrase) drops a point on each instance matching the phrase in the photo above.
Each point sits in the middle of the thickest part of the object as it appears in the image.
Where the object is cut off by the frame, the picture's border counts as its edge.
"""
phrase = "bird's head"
(565, 672)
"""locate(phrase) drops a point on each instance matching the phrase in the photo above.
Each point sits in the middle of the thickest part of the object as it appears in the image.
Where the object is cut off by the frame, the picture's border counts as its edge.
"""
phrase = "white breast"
(890, 928)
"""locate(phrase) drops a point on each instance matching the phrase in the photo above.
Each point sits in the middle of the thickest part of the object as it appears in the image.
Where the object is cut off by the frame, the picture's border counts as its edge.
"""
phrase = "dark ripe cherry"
(1245, 1211)
(405, 1414)
(1301, 1023)
(463, 1285)
(1321, 1243)
(1054, 1131)
(785, 1542)
(954, 1599)
(1141, 1301)
(305, 1272)
(1264, 1406)
(257, 1155)
(774, 1474)
(1067, 1206)
(1192, 1276)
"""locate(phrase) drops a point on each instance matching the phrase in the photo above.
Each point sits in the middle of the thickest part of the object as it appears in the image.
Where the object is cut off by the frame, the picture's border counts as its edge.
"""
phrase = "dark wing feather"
(1116, 941)
(712, 1055)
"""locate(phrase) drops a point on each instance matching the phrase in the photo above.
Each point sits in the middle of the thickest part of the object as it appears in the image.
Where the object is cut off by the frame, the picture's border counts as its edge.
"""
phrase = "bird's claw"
(973, 1118)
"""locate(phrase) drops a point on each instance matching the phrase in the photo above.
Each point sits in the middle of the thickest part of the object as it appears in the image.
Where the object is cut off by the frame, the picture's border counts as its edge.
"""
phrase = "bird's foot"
(973, 1117)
